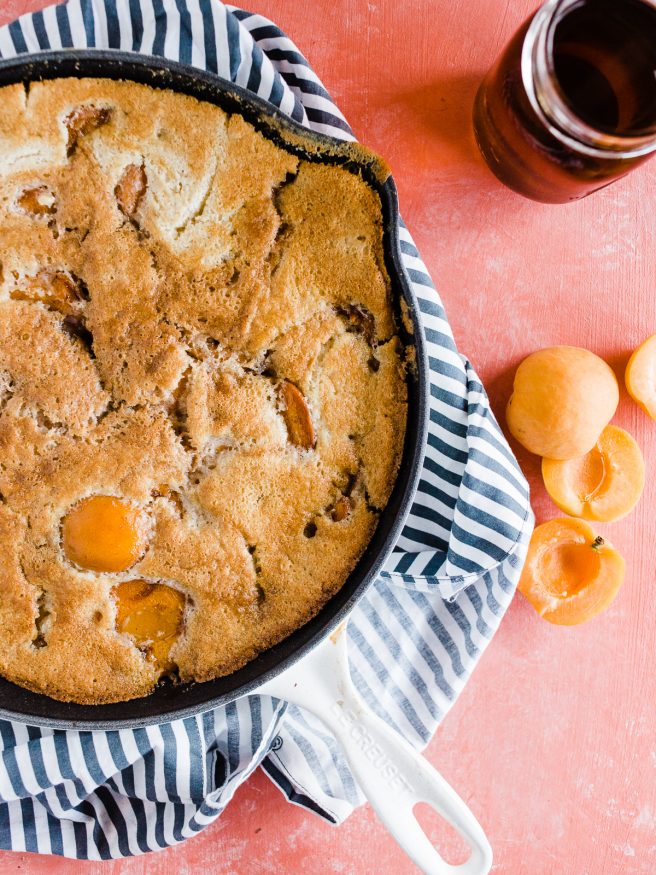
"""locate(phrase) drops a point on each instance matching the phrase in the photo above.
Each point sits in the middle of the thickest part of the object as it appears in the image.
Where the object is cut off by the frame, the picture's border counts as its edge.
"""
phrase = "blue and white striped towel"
(416, 635)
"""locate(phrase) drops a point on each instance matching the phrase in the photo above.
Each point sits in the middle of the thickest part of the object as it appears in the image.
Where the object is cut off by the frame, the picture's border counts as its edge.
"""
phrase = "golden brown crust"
(198, 322)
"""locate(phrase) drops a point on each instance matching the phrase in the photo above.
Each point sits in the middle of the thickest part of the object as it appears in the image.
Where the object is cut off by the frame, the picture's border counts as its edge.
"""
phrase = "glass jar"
(570, 106)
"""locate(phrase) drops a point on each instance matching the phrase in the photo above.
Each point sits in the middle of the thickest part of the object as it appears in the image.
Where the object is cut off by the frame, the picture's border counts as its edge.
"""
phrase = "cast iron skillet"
(170, 701)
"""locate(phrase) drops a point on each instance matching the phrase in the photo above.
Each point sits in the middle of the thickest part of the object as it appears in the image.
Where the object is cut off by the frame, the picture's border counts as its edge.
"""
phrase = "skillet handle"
(390, 772)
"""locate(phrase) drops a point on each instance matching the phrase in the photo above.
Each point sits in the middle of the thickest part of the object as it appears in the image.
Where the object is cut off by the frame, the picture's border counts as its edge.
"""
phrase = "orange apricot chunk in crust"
(563, 398)
(297, 416)
(571, 574)
(152, 614)
(640, 376)
(103, 533)
(604, 484)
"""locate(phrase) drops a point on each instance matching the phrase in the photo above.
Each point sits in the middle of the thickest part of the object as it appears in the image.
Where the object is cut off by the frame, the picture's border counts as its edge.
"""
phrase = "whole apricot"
(641, 376)
(563, 398)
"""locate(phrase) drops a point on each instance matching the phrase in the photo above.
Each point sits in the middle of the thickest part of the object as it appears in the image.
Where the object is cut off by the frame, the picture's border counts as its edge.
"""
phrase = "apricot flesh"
(571, 574)
(640, 376)
(104, 533)
(604, 484)
(152, 614)
(563, 398)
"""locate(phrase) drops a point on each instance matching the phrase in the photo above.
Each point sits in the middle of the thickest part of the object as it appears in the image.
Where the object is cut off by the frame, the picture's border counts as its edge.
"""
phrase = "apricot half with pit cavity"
(152, 614)
(104, 533)
(563, 398)
(604, 484)
(571, 574)
(640, 376)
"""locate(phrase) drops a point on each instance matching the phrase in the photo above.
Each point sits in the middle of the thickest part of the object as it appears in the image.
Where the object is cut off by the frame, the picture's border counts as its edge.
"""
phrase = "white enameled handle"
(390, 772)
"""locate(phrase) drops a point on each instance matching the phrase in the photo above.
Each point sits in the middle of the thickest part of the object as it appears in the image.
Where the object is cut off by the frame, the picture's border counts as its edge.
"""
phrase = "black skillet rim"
(172, 702)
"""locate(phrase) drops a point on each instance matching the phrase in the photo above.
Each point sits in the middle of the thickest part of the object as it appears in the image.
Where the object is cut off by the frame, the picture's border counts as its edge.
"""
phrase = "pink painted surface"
(553, 743)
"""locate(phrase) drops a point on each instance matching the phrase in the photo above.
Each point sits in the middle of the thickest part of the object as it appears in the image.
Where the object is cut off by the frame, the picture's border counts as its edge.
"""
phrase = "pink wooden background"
(553, 743)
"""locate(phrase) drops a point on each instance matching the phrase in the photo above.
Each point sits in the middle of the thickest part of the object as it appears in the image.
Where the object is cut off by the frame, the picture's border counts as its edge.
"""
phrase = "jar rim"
(548, 101)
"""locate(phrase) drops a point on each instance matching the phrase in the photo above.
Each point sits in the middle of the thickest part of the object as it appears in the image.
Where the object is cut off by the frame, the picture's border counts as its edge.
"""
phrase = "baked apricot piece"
(604, 484)
(104, 533)
(640, 376)
(341, 509)
(563, 398)
(130, 189)
(297, 416)
(571, 574)
(37, 201)
(362, 320)
(83, 120)
(152, 614)
(56, 289)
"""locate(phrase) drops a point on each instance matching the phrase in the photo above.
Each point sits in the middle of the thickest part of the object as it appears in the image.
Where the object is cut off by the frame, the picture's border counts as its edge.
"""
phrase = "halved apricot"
(152, 614)
(571, 574)
(104, 533)
(563, 397)
(640, 376)
(604, 484)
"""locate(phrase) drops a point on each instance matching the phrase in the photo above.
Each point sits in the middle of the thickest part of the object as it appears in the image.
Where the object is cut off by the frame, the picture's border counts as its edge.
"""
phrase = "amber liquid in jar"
(571, 104)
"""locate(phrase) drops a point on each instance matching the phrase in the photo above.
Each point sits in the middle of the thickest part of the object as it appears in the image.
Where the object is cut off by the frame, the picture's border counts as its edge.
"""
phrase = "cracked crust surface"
(198, 322)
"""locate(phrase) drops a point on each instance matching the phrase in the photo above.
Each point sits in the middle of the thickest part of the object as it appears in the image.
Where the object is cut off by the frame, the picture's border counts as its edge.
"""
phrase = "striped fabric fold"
(415, 636)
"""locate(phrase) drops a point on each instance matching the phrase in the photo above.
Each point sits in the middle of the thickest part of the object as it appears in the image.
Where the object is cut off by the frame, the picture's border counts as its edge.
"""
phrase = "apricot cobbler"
(202, 387)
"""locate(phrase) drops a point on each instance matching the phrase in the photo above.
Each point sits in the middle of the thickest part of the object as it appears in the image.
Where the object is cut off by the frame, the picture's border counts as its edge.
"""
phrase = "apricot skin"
(571, 574)
(605, 484)
(563, 397)
(640, 376)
